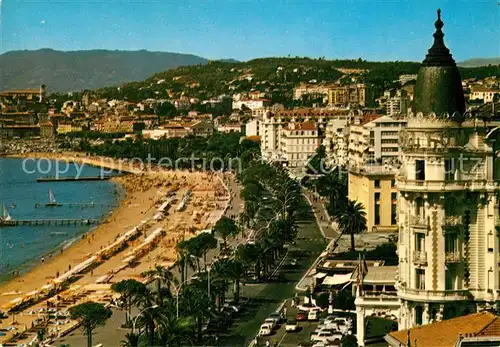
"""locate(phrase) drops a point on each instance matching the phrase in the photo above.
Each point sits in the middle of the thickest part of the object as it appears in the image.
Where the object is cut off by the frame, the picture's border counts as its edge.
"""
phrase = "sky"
(245, 29)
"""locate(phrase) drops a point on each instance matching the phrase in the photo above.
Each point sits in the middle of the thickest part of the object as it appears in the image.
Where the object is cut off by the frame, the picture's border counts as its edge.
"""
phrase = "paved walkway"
(318, 206)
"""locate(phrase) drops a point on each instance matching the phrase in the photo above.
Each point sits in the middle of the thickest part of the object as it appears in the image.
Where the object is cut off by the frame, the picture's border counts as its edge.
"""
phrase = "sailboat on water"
(5, 219)
(52, 200)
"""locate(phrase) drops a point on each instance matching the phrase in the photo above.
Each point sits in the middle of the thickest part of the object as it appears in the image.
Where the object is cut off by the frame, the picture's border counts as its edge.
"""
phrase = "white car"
(326, 336)
(308, 307)
(265, 330)
(271, 322)
(313, 315)
(291, 325)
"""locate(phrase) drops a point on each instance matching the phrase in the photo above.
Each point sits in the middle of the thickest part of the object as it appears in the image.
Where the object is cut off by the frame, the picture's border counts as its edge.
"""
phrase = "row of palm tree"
(350, 215)
(272, 203)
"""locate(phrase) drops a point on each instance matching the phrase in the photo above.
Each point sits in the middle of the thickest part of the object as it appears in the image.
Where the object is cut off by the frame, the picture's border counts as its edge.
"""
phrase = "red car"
(301, 316)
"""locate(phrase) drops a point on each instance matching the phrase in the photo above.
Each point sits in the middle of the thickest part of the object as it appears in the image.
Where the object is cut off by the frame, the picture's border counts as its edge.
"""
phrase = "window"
(451, 278)
(450, 245)
(393, 183)
(394, 196)
(377, 214)
(420, 170)
(377, 183)
(420, 279)
(449, 170)
(394, 214)
(377, 197)
(419, 242)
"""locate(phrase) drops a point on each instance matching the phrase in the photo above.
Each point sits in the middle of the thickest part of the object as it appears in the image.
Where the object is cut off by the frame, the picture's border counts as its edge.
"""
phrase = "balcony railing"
(452, 221)
(453, 257)
(451, 295)
(420, 257)
(451, 185)
(419, 222)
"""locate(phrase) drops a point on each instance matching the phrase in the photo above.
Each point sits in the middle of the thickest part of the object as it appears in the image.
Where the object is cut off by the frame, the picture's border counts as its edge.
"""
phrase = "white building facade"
(448, 200)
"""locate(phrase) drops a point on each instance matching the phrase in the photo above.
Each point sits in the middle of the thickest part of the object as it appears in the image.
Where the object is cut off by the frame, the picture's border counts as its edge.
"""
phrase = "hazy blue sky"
(372, 30)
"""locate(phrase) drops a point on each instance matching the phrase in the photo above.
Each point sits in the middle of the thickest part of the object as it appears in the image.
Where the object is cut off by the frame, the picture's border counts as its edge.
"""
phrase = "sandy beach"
(144, 192)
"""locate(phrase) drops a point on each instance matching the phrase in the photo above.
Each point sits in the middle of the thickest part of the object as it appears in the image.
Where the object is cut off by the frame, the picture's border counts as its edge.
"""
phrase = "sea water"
(22, 247)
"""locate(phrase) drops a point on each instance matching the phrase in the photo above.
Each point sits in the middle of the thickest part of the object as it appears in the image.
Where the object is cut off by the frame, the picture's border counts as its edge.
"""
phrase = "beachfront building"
(299, 142)
(375, 187)
(448, 185)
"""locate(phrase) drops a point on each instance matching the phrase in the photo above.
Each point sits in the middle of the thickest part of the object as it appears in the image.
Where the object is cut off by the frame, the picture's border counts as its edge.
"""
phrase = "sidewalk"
(322, 217)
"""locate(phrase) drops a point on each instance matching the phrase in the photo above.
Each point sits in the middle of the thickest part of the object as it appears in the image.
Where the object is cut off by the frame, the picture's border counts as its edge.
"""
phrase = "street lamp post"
(139, 314)
(177, 292)
(208, 271)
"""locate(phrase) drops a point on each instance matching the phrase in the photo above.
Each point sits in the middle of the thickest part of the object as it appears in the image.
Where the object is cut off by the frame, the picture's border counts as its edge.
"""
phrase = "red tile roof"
(369, 117)
(446, 333)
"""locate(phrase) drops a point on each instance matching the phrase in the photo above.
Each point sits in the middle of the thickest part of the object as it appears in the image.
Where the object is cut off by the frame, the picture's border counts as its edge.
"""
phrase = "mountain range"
(78, 70)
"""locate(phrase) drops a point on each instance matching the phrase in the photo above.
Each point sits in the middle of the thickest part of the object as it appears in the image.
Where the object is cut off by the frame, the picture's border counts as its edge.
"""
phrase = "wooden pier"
(70, 179)
(75, 204)
(46, 222)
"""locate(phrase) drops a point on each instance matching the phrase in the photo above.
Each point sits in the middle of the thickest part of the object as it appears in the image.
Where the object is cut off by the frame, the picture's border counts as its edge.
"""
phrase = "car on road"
(301, 316)
(276, 317)
(313, 315)
(271, 322)
(266, 329)
(326, 335)
(308, 307)
(291, 325)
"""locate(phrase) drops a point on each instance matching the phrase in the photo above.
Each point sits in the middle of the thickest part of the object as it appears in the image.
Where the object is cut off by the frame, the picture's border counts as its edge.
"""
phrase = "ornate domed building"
(448, 200)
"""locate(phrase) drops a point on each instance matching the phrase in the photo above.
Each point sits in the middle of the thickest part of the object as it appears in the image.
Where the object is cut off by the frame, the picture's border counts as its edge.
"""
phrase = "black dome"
(439, 85)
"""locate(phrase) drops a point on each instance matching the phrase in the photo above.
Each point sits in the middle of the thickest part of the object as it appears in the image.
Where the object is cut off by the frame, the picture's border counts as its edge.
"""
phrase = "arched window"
(419, 313)
(451, 206)
(420, 207)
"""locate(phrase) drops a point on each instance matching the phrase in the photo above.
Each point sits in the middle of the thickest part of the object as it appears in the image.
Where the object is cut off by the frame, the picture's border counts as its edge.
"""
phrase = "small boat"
(52, 201)
(6, 219)
(13, 205)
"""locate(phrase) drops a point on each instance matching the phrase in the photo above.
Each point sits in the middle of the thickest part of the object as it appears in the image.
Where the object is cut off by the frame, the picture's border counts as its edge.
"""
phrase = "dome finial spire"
(438, 54)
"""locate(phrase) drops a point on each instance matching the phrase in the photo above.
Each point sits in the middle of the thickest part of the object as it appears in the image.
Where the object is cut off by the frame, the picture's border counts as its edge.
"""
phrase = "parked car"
(301, 316)
(271, 322)
(291, 325)
(308, 307)
(313, 315)
(326, 336)
(276, 317)
(265, 330)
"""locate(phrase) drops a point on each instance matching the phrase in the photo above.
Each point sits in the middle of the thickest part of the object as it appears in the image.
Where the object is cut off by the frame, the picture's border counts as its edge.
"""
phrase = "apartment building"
(299, 142)
(353, 94)
(304, 89)
(375, 188)
(374, 139)
(486, 94)
(336, 140)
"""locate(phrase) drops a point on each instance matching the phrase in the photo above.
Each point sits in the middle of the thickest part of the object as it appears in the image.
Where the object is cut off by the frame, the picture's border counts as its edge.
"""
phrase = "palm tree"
(208, 242)
(91, 315)
(151, 314)
(235, 271)
(184, 258)
(130, 290)
(351, 220)
(250, 256)
(160, 274)
(131, 340)
(225, 228)
(195, 303)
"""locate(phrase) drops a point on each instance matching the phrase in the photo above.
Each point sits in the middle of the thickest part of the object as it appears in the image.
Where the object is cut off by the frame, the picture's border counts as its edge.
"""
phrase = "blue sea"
(22, 247)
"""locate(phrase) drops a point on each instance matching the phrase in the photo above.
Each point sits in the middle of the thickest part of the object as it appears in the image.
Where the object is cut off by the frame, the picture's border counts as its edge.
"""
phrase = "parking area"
(376, 328)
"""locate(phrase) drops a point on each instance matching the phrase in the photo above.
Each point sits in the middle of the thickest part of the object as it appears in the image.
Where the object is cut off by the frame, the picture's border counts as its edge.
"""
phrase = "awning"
(337, 279)
(320, 275)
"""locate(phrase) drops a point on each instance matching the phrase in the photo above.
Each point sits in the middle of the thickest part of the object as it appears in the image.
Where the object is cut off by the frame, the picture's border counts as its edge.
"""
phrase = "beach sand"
(143, 193)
